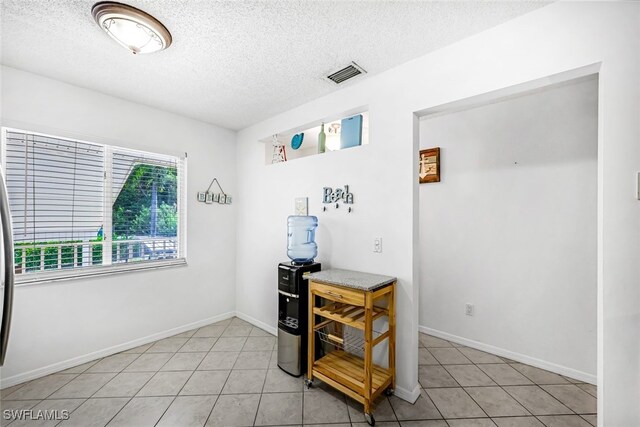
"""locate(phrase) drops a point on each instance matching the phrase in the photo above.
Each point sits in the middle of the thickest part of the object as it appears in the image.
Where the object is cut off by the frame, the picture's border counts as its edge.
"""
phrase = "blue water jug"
(301, 236)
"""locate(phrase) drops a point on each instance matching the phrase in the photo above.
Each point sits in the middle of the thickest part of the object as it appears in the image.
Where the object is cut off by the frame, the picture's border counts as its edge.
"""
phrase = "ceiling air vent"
(346, 73)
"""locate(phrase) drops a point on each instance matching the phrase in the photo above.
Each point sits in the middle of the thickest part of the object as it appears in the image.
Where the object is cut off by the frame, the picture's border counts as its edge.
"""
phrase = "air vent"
(346, 73)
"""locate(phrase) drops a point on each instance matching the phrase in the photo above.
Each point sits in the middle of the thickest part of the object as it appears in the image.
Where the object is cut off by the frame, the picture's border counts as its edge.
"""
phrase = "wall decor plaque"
(429, 165)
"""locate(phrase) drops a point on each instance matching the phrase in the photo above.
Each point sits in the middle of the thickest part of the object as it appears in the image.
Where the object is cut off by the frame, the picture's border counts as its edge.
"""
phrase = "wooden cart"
(349, 368)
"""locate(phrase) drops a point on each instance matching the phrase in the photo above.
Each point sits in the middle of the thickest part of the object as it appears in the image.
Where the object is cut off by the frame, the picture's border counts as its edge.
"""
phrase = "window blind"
(77, 205)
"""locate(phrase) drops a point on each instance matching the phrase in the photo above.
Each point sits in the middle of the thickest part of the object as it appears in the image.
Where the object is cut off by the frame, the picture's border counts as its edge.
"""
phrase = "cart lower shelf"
(345, 372)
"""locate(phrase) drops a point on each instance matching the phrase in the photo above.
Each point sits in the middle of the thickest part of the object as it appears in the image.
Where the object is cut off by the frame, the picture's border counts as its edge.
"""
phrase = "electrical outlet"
(468, 309)
(377, 244)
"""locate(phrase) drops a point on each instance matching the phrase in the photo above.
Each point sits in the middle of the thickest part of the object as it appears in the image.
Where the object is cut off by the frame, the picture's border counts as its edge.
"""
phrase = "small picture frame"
(429, 165)
(228, 199)
(223, 199)
(209, 198)
(216, 198)
(202, 196)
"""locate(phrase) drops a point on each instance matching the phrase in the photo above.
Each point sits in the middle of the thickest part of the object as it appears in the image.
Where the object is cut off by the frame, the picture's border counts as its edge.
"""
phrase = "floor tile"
(321, 407)
(41, 388)
(56, 406)
(187, 334)
(379, 424)
(188, 411)
(432, 342)
(197, 344)
(504, 374)
(253, 360)
(435, 376)
(115, 363)
(591, 419)
(141, 412)
(17, 405)
(184, 362)
(518, 422)
(80, 368)
(149, 362)
(8, 390)
(245, 382)
(236, 321)
(222, 360)
(539, 376)
(422, 409)
(477, 356)
(257, 332)
(211, 331)
(382, 410)
(274, 360)
(140, 349)
(167, 345)
(125, 384)
(589, 388)
(260, 344)
(237, 331)
(564, 421)
(454, 403)
(571, 380)
(536, 400)
(573, 397)
(165, 384)
(84, 385)
(205, 383)
(95, 412)
(229, 344)
(469, 375)
(279, 381)
(279, 409)
(496, 402)
(234, 410)
(471, 422)
(449, 356)
(426, 358)
(424, 423)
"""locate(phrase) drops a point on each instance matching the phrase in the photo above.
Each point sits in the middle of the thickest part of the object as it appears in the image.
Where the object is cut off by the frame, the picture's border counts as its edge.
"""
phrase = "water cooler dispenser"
(293, 294)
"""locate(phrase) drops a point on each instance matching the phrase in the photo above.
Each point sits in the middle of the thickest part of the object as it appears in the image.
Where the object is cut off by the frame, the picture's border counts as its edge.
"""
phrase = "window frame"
(108, 268)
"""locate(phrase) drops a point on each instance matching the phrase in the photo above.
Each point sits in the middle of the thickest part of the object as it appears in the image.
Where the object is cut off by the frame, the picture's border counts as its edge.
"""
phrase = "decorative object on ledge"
(208, 197)
(296, 141)
(429, 165)
(279, 152)
(351, 132)
(331, 197)
(322, 138)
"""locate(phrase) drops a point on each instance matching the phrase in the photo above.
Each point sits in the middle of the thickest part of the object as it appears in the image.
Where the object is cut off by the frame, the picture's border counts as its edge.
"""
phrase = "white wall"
(58, 324)
(560, 37)
(511, 227)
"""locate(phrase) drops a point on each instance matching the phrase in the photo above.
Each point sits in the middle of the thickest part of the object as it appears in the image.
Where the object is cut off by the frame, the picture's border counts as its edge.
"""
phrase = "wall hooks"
(335, 197)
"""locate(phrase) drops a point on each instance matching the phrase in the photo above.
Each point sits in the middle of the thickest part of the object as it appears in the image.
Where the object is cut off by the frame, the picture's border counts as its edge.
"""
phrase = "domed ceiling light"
(131, 28)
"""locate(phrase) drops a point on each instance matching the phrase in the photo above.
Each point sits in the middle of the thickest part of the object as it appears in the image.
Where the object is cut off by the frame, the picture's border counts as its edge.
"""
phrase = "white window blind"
(83, 208)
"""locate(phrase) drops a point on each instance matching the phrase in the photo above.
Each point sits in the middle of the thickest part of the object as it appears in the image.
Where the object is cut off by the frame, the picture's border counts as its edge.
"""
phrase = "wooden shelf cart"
(349, 368)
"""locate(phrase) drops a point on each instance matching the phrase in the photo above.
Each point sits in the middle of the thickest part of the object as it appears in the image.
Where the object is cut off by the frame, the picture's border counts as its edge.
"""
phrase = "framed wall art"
(429, 165)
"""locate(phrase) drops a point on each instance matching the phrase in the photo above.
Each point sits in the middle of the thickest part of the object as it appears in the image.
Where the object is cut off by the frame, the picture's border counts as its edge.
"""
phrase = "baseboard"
(518, 357)
(70, 363)
(257, 323)
(409, 395)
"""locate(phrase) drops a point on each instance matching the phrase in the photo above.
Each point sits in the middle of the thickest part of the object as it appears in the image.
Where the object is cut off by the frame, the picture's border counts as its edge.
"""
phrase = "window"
(80, 208)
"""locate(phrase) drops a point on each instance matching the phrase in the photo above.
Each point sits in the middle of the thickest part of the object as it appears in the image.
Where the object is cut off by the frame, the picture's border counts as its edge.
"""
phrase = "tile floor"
(225, 374)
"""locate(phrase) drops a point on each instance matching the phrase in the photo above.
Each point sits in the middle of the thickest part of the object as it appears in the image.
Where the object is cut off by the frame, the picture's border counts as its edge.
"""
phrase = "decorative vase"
(322, 139)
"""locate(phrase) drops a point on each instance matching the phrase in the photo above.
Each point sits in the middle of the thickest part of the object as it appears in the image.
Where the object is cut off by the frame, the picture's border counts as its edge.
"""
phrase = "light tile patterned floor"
(225, 374)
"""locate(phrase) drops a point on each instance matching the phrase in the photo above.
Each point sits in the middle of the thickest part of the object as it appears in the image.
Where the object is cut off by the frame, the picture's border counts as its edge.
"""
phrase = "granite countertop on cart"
(351, 279)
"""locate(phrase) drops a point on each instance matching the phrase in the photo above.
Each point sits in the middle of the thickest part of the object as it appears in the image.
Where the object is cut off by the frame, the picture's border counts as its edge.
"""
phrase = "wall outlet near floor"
(377, 244)
(468, 309)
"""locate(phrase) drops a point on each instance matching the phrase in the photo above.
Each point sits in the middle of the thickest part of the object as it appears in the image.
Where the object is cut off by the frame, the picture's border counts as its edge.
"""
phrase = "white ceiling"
(234, 63)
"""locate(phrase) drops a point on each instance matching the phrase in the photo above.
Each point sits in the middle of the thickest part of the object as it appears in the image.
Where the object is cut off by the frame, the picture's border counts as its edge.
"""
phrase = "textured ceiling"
(234, 63)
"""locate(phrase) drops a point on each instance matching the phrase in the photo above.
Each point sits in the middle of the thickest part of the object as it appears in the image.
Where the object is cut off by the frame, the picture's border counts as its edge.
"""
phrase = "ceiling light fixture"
(131, 28)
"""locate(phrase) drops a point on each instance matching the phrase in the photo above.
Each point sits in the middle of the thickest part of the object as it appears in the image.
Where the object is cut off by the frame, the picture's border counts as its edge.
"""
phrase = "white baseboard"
(257, 323)
(518, 357)
(409, 395)
(70, 363)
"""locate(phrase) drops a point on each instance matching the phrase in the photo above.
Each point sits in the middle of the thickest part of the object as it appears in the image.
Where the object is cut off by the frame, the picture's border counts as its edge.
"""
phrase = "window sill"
(62, 275)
